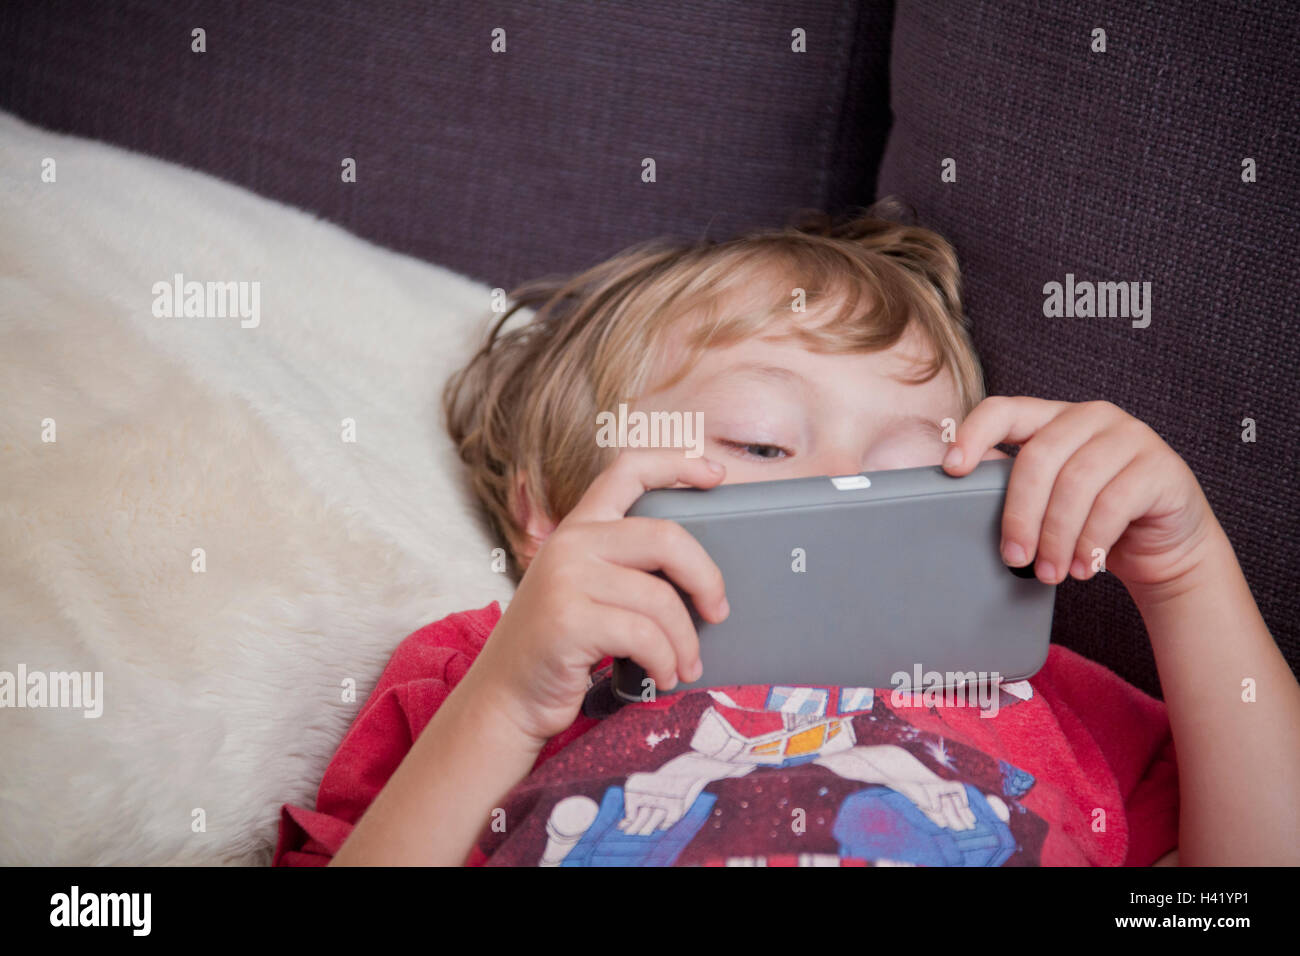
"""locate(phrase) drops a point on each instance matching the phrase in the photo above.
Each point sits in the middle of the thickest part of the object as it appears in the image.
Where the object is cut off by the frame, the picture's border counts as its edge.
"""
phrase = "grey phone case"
(901, 571)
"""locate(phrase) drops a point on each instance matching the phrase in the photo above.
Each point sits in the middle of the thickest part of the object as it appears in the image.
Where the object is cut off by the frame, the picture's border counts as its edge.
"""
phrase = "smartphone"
(883, 579)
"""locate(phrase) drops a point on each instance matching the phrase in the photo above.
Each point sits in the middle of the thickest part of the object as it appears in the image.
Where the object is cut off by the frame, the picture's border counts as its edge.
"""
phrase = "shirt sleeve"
(1131, 729)
(423, 671)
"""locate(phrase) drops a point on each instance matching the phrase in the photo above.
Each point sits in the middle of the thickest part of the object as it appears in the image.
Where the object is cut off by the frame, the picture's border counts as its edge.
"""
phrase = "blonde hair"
(527, 401)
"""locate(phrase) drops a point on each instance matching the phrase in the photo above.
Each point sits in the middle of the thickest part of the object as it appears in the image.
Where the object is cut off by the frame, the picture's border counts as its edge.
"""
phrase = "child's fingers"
(1036, 468)
(657, 544)
(1127, 497)
(1034, 474)
(623, 633)
(1078, 483)
(654, 598)
(633, 473)
(997, 419)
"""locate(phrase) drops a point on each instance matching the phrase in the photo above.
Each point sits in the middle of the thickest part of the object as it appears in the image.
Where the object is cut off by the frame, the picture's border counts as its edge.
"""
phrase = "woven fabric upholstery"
(1126, 165)
(501, 166)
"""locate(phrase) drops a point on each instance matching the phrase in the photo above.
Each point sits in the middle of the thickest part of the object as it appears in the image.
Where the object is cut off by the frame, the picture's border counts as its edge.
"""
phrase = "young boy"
(818, 350)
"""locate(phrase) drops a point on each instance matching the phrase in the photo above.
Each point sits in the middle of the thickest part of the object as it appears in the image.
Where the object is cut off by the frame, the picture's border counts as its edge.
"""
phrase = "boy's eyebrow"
(902, 421)
(763, 370)
(914, 421)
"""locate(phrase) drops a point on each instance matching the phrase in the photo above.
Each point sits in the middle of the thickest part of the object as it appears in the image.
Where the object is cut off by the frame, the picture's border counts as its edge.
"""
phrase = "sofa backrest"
(1123, 165)
(1127, 166)
(500, 165)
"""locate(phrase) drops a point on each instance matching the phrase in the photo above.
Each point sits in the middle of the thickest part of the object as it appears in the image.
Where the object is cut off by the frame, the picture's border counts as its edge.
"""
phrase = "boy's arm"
(1238, 761)
(1093, 482)
(467, 758)
(586, 595)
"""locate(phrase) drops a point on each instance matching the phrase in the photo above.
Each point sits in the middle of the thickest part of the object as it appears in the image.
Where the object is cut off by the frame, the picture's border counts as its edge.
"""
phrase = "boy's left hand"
(1090, 476)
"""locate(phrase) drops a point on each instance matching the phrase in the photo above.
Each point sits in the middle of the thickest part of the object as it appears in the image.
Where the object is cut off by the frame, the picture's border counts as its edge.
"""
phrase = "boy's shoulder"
(1129, 728)
(466, 630)
(1067, 677)
(1086, 685)
(1087, 700)
(441, 649)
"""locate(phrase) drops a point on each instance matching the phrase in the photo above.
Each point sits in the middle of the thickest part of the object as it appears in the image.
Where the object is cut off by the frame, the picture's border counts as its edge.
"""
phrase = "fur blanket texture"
(226, 495)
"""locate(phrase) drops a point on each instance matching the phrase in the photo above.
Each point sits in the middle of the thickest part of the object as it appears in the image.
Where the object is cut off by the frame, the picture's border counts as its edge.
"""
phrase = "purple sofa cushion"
(502, 166)
(1127, 165)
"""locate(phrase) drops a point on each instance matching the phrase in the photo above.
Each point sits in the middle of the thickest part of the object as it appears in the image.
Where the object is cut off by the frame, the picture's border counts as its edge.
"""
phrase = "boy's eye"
(757, 450)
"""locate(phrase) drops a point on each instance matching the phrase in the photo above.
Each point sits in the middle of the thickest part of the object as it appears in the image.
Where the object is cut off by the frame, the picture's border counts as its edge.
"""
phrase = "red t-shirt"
(1071, 767)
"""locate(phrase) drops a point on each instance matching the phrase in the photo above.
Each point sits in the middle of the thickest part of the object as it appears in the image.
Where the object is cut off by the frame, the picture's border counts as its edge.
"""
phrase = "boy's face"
(773, 409)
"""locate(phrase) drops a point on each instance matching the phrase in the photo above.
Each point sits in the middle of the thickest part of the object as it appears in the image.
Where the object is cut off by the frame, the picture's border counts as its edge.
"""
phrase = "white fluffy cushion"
(223, 690)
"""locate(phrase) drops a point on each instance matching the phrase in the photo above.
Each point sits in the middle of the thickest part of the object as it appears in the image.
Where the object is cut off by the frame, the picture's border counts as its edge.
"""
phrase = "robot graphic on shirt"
(908, 814)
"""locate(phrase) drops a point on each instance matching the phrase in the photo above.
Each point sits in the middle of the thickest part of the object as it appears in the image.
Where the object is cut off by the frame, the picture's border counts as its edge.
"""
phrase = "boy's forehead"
(778, 355)
(777, 359)
(777, 338)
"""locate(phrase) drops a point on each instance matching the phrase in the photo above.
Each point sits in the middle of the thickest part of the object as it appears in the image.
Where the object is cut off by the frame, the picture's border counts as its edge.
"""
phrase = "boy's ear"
(536, 524)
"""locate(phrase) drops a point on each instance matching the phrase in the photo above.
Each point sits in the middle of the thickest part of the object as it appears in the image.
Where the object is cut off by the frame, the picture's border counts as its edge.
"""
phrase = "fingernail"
(714, 466)
(953, 458)
(696, 671)
(1046, 572)
(1077, 569)
(1014, 554)
(724, 609)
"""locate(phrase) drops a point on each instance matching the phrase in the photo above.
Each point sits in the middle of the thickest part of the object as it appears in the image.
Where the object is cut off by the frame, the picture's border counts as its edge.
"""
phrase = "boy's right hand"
(589, 594)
